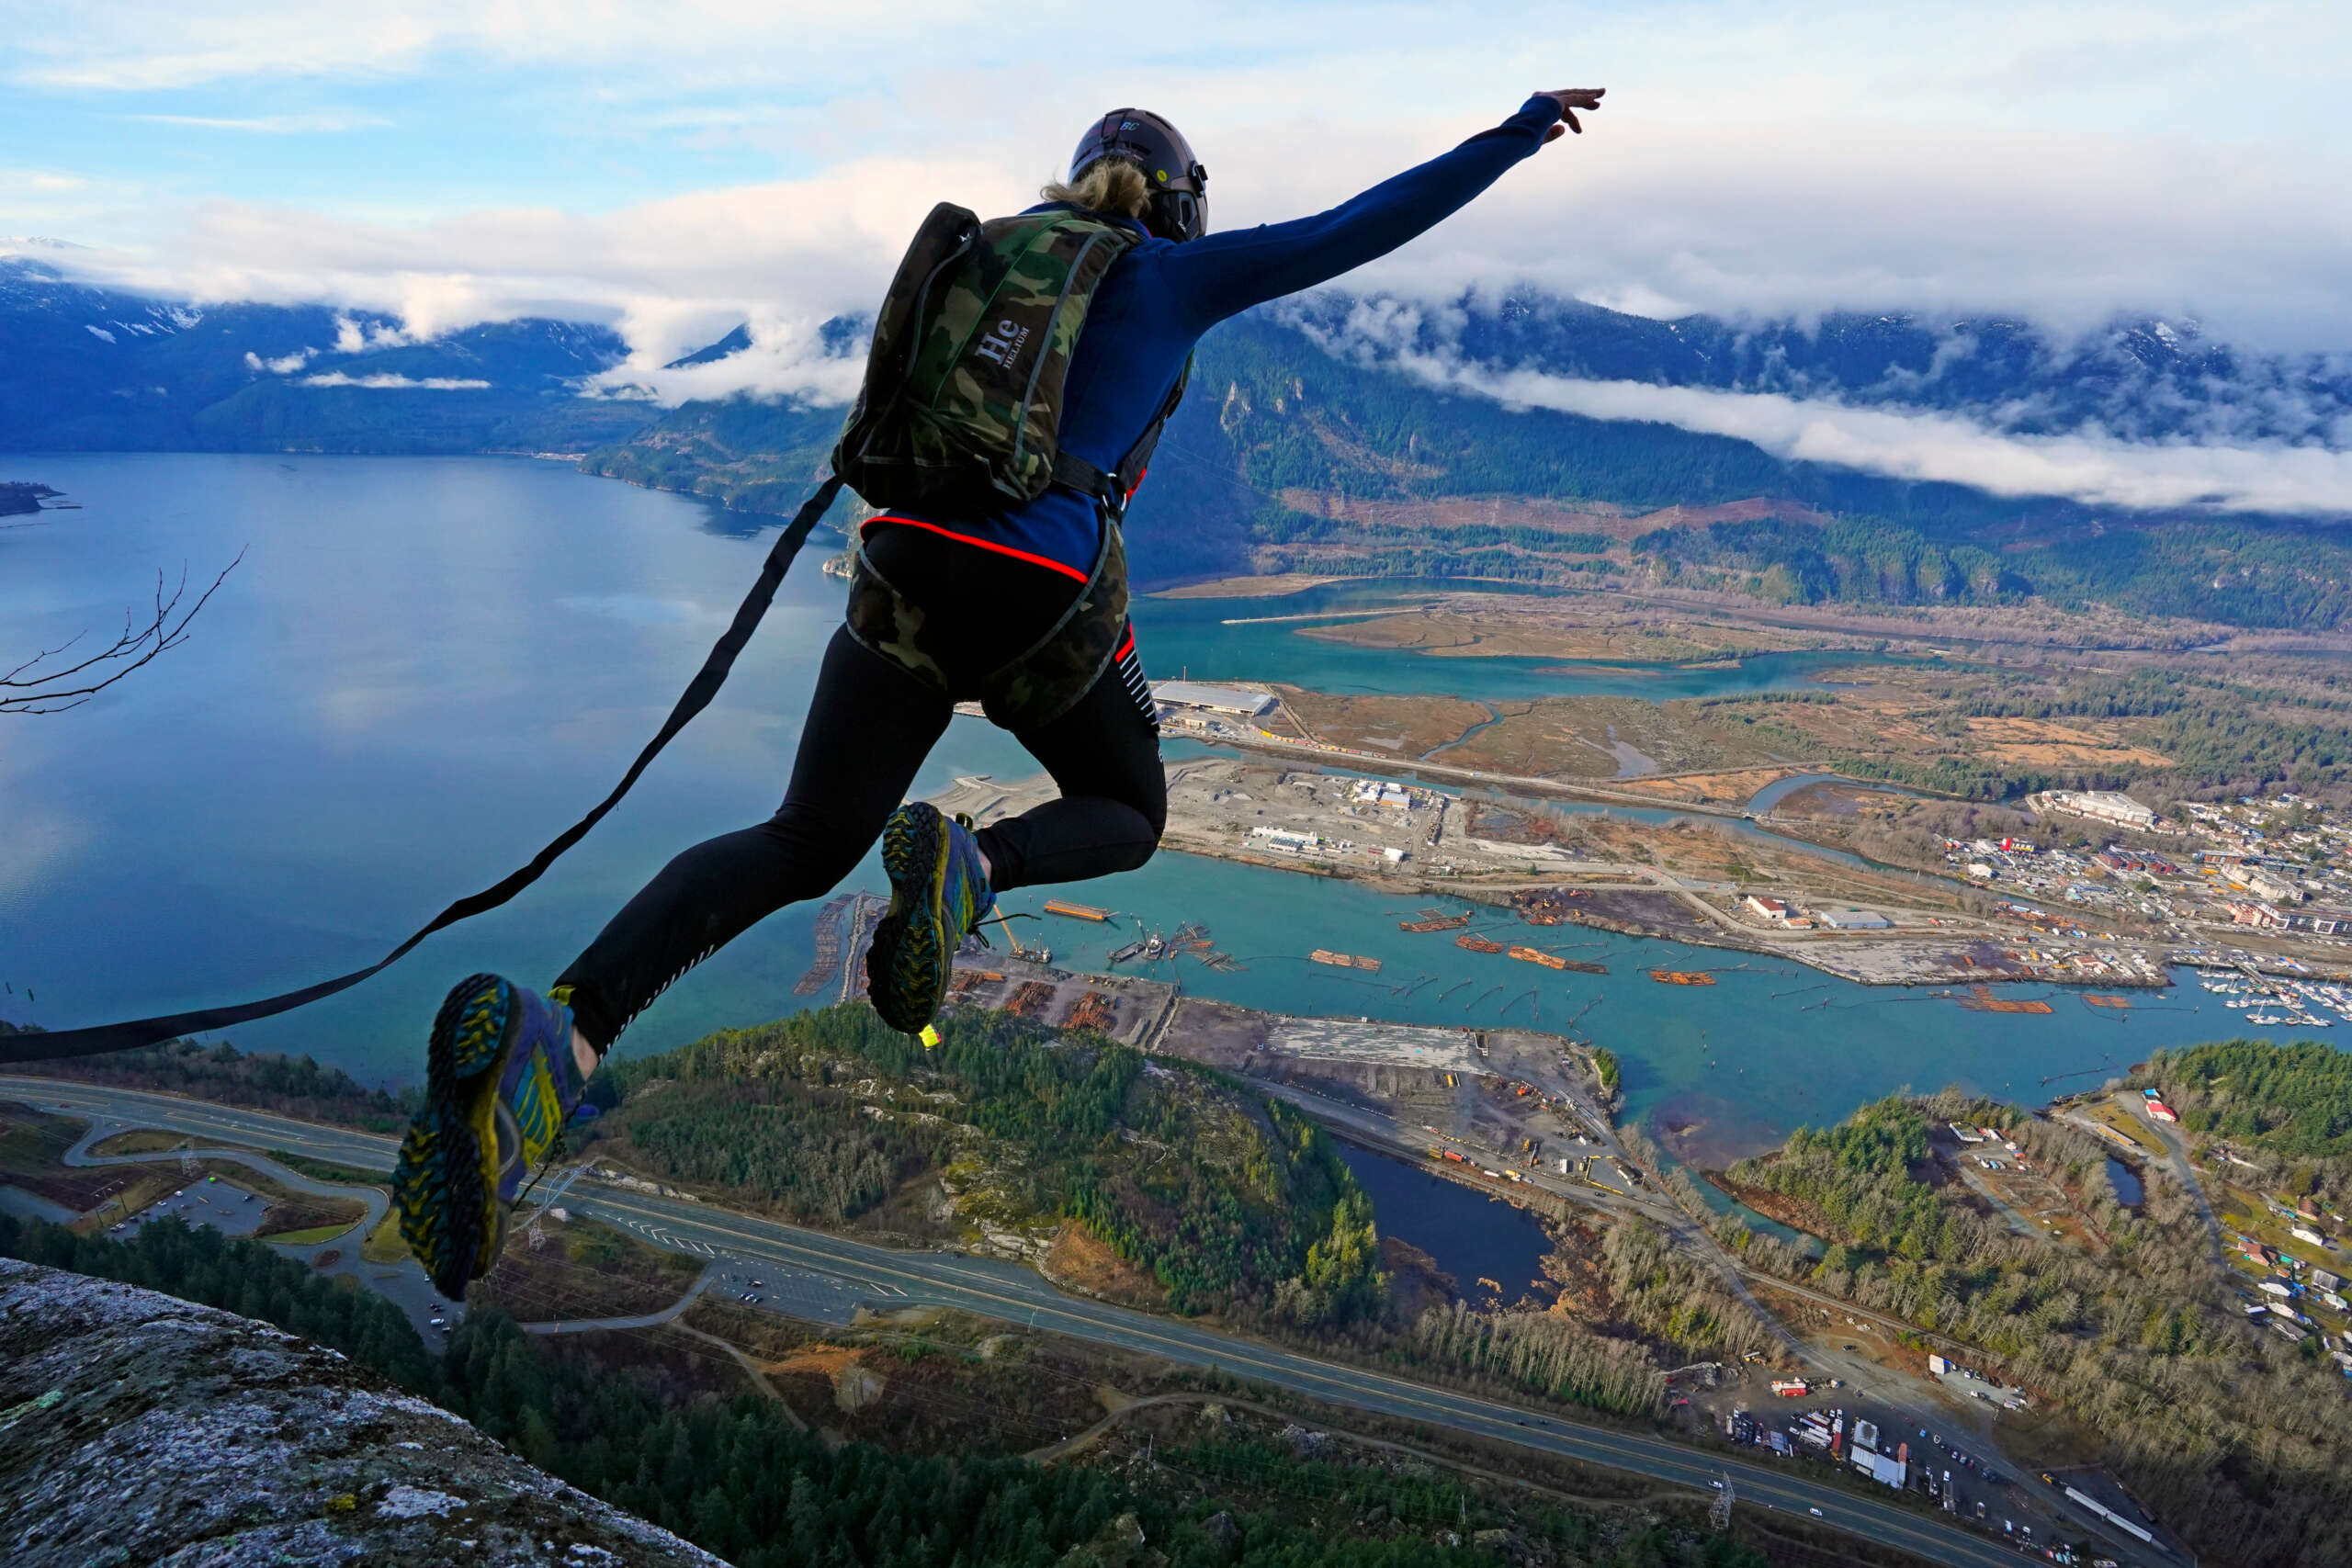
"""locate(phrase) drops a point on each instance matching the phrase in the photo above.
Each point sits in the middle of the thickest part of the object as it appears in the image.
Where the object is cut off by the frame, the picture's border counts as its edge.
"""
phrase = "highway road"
(1018, 1295)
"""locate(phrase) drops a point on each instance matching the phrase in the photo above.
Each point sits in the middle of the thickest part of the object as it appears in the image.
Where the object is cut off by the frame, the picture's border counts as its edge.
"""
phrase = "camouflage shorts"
(1037, 686)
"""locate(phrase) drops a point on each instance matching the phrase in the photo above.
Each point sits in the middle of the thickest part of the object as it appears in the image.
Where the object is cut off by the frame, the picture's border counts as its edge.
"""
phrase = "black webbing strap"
(39, 1046)
(1113, 489)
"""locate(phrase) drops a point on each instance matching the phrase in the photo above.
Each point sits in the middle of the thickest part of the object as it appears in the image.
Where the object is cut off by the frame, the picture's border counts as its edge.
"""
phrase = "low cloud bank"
(788, 357)
(1966, 447)
(382, 382)
(1942, 447)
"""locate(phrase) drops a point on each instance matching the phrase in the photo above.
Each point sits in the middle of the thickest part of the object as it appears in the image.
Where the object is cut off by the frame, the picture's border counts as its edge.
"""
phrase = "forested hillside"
(2122, 1318)
(1229, 1201)
(2290, 1103)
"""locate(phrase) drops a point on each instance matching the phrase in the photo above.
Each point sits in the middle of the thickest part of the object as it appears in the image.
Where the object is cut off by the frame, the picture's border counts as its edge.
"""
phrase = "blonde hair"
(1115, 186)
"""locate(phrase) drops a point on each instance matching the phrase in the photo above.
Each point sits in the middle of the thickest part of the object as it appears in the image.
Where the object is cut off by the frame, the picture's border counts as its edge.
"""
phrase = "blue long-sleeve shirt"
(1155, 303)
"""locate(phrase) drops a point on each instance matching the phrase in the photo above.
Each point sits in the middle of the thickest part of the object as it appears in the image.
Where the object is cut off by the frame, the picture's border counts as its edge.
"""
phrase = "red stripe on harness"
(1048, 563)
(1127, 647)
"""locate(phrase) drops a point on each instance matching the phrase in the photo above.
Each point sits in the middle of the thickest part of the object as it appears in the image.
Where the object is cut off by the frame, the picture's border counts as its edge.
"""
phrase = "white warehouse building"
(1244, 702)
(2103, 805)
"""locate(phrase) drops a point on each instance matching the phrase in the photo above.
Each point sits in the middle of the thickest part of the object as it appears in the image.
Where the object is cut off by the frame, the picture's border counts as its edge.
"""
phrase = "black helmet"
(1180, 203)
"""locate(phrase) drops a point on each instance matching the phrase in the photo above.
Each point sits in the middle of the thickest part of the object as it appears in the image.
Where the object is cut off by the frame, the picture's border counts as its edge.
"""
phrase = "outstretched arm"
(1223, 275)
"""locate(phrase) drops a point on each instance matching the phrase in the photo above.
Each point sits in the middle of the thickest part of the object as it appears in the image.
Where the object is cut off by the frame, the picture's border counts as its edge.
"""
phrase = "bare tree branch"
(29, 689)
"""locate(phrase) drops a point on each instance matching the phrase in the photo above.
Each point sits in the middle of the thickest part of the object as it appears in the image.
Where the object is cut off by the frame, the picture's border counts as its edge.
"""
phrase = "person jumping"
(1015, 595)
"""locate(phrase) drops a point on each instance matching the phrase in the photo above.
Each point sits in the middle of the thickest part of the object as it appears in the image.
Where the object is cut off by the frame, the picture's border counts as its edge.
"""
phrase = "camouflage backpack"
(962, 404)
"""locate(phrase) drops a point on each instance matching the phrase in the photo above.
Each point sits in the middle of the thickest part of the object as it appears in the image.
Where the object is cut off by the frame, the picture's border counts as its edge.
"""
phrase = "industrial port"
(1885, 929)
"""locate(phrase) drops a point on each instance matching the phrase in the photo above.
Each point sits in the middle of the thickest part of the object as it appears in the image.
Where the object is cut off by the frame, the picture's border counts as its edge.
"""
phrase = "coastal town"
(2104, 891)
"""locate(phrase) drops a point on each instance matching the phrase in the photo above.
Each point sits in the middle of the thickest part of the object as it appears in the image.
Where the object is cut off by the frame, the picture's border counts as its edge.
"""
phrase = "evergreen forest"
(2122, 1320)
(1228, 1200)
(739, 1478)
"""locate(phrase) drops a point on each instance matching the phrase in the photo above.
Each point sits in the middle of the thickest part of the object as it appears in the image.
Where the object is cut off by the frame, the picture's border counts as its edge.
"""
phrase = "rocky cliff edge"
(136, 1428)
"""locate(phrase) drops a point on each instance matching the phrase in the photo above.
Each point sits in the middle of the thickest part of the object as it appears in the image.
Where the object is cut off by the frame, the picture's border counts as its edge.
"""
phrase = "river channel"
(1258, 639)
(424, 667)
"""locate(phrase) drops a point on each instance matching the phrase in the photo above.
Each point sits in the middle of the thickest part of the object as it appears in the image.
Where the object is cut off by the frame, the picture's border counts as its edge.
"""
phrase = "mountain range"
(1310, 442)
(97, 369)
(2135, 379)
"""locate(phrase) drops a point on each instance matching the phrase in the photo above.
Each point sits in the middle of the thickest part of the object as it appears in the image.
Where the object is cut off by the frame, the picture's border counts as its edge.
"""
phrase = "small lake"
(2126, 1181)
(1469, 1235)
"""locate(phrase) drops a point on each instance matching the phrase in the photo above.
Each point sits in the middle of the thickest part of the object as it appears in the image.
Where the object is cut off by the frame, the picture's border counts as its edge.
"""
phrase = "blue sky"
(677, 169)
(2064, 159)
(418, 111)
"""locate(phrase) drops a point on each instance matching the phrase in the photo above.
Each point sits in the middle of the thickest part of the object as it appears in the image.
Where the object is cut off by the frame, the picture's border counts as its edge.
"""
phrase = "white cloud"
(144, 45)
(671, 273)
(382, 381)
(285, 365)
(270, 125)
(360, 337)
(37, 181)
(786, 360)
(1934, 446)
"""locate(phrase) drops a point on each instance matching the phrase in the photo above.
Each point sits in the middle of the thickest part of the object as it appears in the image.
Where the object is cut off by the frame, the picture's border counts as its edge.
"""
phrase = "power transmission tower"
(187, 1159)
(1719, 1516)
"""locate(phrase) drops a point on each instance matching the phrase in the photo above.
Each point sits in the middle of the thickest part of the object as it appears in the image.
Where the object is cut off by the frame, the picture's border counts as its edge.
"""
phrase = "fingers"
(1571, 100)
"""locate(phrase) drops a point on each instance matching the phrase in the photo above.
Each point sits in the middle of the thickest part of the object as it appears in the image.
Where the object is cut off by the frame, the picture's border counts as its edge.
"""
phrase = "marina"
(2271, 1001)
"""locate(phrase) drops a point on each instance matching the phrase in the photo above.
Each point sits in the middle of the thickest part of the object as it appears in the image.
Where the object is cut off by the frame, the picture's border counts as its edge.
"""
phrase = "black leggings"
(870, 726)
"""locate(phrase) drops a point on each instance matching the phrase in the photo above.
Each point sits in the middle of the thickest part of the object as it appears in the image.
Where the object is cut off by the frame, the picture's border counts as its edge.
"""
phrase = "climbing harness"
(1036, 685)
(100, 1039)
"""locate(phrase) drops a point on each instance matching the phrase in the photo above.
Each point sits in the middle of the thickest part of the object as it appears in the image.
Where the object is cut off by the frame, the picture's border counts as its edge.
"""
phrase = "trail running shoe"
(938, 892)
(500, 1084)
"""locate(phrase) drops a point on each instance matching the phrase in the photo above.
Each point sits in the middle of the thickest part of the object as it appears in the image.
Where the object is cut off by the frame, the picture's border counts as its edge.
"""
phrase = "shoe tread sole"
(444, 1183)
(910, 977)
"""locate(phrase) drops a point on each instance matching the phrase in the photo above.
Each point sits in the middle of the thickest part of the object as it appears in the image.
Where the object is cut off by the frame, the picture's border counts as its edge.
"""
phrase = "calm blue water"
(1190, 636)
(1471, 1235)
(2128, 1186)
(425, 666)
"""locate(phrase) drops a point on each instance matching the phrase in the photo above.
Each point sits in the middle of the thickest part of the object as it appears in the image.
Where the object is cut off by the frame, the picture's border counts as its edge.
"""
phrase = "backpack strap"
(1111, 491)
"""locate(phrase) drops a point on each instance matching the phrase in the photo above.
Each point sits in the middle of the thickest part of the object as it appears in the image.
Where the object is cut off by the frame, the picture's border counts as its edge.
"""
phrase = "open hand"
(1571, 100)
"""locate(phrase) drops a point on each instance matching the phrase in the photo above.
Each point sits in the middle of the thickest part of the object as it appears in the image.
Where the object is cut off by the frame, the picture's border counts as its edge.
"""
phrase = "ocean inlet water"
(424, 667)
